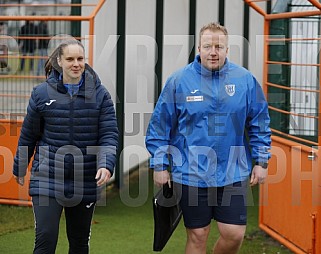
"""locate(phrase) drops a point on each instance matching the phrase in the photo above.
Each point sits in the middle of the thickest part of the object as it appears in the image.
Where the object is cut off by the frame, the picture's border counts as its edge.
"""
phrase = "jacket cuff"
(263, 164)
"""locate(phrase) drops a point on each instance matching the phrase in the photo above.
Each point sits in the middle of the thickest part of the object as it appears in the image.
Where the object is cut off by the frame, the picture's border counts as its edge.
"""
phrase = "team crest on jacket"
(230, 89)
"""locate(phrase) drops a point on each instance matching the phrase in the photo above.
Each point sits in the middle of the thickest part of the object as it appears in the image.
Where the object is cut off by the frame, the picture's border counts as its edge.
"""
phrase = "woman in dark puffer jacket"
(71, 132)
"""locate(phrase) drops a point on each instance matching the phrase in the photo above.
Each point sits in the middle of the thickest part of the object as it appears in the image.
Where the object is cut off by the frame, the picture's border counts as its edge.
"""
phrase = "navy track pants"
(47, 213)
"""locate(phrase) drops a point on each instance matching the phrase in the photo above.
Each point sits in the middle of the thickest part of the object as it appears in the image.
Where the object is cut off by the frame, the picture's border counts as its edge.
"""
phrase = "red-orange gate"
(290, 200)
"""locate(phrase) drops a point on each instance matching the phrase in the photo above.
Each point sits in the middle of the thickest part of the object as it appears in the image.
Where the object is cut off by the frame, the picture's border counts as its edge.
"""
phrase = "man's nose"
(213, 50)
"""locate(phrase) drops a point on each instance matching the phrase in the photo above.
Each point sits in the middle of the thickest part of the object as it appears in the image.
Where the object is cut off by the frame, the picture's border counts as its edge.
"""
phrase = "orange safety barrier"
(290, 200)
(10, 191)
(16, 87)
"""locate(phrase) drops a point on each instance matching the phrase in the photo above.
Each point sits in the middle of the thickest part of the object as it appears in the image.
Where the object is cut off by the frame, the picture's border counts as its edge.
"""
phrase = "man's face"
(213, 49)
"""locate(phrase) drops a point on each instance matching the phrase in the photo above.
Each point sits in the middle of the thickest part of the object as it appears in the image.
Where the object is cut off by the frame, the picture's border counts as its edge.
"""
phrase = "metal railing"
(21, 67)
(292, 69)
(291, 81)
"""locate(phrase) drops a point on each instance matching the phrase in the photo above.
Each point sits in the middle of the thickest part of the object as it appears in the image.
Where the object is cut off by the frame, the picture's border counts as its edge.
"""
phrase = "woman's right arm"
(29, 135)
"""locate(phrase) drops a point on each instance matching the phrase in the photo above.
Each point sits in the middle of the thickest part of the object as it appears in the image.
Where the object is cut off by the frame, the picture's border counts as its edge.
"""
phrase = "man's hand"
(103, 175)
(258, 175)
(20, 180)
(161, 177)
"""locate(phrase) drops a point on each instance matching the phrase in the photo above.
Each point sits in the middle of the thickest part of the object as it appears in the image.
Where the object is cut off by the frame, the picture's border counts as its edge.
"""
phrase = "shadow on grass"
(123, 223)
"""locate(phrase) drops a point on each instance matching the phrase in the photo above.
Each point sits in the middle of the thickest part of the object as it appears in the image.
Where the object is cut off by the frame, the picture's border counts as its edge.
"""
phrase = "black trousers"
(47, 213)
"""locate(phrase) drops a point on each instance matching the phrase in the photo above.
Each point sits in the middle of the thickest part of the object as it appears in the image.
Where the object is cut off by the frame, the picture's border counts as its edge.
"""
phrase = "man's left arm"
(259, 133)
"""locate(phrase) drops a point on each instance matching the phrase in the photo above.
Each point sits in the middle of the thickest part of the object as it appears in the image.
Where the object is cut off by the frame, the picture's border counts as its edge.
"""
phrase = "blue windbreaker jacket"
(208, 126)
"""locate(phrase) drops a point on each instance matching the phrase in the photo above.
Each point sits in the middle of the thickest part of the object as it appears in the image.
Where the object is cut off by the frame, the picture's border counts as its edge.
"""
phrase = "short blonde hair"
(213, 27)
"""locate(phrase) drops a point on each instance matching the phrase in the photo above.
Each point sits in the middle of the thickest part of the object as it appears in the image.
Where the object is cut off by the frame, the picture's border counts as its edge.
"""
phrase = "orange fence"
(22, 67)
(10, 191)
(16, 83)
(290, 209)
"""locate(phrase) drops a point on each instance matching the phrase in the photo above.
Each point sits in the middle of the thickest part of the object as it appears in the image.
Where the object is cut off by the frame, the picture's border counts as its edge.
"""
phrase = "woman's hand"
(103, 175)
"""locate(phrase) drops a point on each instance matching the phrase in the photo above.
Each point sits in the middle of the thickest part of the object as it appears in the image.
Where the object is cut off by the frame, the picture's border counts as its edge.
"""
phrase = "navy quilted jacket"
(69, 137)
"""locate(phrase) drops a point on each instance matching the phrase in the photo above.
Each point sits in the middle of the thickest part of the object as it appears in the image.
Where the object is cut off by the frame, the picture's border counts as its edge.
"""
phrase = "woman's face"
(72, 62)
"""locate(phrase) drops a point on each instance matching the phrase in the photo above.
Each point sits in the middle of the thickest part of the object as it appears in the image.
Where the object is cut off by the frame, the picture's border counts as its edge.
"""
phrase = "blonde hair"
(212, 27)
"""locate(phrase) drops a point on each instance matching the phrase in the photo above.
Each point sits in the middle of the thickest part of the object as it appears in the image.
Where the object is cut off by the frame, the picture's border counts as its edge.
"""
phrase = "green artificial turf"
(123, 223)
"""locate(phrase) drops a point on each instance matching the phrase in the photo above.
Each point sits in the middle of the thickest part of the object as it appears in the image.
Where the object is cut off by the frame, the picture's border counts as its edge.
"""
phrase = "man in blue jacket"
(210, 123)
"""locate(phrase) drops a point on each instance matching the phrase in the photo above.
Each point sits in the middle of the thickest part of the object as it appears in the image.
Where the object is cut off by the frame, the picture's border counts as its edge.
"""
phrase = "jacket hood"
(91, 82)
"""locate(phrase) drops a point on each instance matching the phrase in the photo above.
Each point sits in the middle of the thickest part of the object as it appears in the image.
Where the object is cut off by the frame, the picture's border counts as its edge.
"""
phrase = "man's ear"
(58, 61)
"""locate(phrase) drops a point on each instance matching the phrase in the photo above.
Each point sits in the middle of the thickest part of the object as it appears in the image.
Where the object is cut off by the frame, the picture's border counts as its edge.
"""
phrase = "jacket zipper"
(71, 120)
(71, 138)
(216, 103)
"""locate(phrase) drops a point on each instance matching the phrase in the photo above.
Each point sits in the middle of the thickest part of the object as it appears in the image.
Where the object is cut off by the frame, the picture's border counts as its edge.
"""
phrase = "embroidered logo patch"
(230, 89)
(194, 98)
(50, 102)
